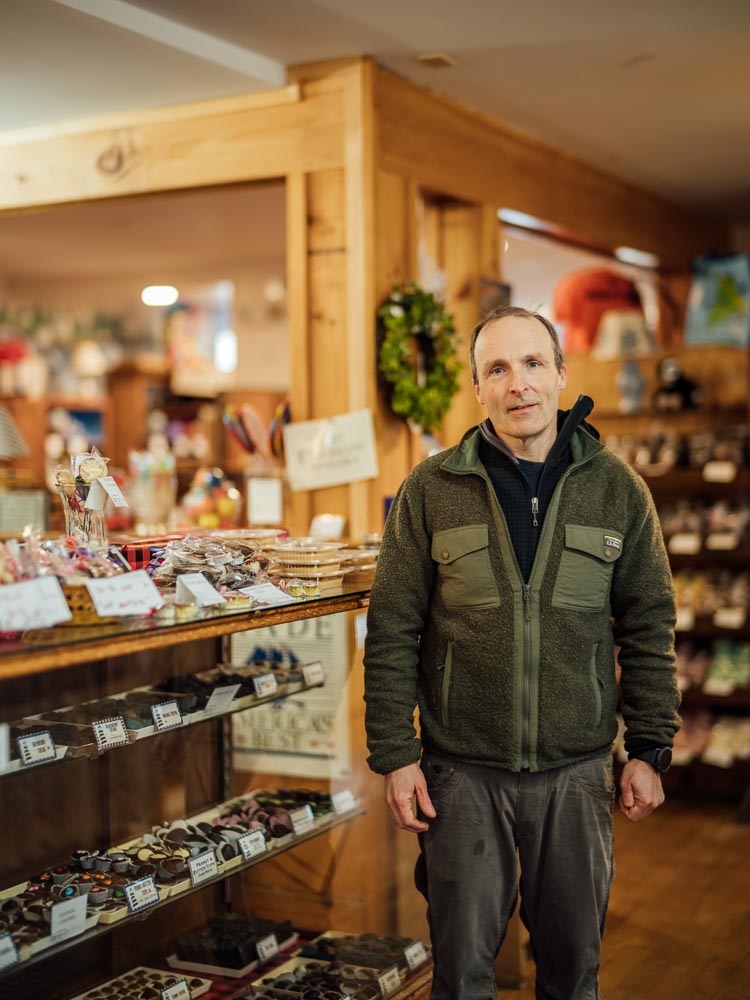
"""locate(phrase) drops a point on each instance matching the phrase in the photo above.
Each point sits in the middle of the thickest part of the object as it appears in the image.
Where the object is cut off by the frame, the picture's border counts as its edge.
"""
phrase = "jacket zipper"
(534, 511)
(526, 706)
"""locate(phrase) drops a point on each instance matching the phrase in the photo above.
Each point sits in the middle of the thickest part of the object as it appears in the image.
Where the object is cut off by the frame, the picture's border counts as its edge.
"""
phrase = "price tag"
(415, 955)
(167, 715)
(36, 748)
(730, 617)
(719, 472)
(265, 685)
(4, 746)
(268, 947)
(68, 919)
(101, 490)
(141, 894)
(8, 951)
(268, 594)
(221, 699)
(389, 981)
(204, 867)
(313, 673)
(110, 733)
(130, 594)
(252, 844)
(722, 541)
(194, 588)
(30, 604)
(177, 991)
(684, 543)
(343, 802)
(302, 819)
(685, 620)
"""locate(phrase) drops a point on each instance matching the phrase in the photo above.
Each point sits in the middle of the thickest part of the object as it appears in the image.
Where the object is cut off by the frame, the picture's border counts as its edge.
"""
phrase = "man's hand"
(400, 788)
(641, 790)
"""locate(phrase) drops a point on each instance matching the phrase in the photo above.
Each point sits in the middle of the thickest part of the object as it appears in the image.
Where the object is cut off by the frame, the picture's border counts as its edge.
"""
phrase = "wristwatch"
(658, 757)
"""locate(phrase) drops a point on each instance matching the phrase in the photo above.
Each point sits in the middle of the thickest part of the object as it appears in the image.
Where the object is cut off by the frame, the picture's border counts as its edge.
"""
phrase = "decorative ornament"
(417, 355)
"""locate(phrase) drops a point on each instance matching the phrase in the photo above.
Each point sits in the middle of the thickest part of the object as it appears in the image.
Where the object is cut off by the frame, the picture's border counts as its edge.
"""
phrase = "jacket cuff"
(385, 761)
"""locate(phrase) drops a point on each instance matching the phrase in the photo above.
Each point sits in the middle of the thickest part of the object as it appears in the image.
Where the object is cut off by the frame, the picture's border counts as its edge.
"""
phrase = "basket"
(81, 606)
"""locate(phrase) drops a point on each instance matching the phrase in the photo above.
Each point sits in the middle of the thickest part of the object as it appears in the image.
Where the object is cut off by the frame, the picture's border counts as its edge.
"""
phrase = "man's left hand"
(641, 790)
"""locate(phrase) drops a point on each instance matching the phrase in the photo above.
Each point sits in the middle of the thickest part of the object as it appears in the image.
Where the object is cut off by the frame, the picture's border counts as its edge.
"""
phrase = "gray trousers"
(559, 824)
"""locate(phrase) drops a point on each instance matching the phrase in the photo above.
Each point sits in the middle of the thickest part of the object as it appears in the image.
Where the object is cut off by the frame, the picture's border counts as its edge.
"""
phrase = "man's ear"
(562, 377)
(477, 393)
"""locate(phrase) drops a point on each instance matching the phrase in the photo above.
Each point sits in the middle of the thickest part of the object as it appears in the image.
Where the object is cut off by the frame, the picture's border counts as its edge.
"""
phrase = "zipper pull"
(535, 510)
(527, 602)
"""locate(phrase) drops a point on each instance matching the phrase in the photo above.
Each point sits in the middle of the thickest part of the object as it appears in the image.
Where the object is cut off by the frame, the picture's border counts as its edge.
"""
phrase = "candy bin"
(212, 502)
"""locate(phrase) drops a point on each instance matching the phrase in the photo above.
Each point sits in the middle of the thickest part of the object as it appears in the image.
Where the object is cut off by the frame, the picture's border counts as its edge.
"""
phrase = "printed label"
(8, 951)
(268, 947)
(141, 894)
(252, 844)
(177, 991)
(313, 673)
(221, 699)
(110, 733)
(204, 867)
(36, 748)
(4, 746)
(302, 819)
(265, 685)
(360, 629)
(415, 955)
(167, 715)
(389, 981)
(343, 802)
(68, 919)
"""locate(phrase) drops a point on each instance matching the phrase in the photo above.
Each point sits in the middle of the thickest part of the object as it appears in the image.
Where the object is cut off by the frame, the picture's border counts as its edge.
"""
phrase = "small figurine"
(676, 392)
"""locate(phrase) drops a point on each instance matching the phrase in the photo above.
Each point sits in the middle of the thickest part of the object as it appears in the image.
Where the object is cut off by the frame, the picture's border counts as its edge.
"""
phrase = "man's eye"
(533, 364)
(496, 370)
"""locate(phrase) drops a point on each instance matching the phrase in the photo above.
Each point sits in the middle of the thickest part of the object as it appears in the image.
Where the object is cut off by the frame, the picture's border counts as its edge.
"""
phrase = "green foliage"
(412, 317)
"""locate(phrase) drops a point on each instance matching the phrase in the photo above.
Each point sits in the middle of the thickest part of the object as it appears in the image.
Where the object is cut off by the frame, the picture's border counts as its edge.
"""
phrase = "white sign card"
(685, 543)
(302, 819)
(141, 894)
(102, 490)
(685, 620)
(29, 604)
(330, 452)
(194, 588)
(360, 629)
(268, 947)
(730, 617)
(110, 733)
(36, 748)
(719, 472)
(166, 715)
(68, 919)
(265, 500)
(8, 951)
(177, 991)
(221, 699)
(268, 594)
(343, 802)
(265, 686)
(130, 594)
(313, 673)
(415, 955)
(389, 981)
(4, 746)
(252, 844)
(204, 867)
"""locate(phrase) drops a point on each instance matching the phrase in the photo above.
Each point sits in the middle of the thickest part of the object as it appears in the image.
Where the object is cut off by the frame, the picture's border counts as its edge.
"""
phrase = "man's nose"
(517, 381)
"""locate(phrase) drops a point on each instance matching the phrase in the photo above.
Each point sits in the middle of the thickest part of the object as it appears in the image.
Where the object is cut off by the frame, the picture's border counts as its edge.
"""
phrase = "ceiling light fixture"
(640, 258)
(159, 295)
(437, 60)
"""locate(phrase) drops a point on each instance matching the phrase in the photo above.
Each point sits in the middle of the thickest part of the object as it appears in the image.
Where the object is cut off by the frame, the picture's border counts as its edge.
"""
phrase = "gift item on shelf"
(718, 593)
(676, 392)
(151, 490)
(307, 567)
(229, 563)
(232, 944)
(84, 488)
(143, 983)
(663, 449)
(213, 501)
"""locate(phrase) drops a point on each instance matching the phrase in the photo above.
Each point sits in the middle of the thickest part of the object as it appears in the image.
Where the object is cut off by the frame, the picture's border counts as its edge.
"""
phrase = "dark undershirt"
(532, 471)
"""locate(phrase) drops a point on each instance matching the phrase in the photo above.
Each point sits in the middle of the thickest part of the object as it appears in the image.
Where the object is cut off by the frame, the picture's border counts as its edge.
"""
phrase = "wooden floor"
(678, 926)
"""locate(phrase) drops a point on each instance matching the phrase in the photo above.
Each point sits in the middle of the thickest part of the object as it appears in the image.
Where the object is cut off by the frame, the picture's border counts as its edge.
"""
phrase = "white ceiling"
(656, 91)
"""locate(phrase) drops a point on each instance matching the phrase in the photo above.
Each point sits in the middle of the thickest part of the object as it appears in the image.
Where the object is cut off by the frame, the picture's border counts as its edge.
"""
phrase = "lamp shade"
(12, 444)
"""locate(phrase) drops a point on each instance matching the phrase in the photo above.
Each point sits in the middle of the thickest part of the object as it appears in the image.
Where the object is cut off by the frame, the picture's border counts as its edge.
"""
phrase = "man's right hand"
(400, 788)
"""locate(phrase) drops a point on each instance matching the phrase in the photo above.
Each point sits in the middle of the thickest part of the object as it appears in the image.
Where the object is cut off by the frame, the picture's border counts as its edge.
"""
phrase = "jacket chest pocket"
(464, 569)
(586, 567)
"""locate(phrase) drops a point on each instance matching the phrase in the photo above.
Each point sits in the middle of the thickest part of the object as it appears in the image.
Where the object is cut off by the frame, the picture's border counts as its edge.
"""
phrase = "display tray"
(130, 984)
(215, 970)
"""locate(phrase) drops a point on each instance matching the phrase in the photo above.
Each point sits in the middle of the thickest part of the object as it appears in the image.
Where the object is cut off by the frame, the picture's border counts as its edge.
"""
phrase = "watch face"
(663, 758)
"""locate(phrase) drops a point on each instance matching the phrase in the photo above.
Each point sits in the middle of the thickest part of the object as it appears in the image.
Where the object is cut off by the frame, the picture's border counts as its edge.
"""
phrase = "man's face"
(519, 384)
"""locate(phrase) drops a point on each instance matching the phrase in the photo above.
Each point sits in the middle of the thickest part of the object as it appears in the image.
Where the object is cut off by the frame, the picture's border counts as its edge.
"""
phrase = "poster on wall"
(330, 452)
(718, 309)
(307, 734)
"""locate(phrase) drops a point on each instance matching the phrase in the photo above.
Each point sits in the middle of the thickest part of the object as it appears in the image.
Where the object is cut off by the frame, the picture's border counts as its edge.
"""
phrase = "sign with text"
(102, 490)
(415, 955)
(330, 452)
(68, 919)
(177, 991)
(166, 715)
(141, 894)
(313, 673)
(343, 802)
(130, 594)
(110, 733)
(204, 867)
(8, 951)
(268, 594)
(302, 819)
(252, 844)
(389, 981)
(29, 604)
(265, 685)
(36, 748)
(268, 947)
(221, 698)
(194, 588)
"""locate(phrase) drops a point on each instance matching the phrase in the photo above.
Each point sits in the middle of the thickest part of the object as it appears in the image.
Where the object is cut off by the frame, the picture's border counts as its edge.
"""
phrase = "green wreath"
(412, 319)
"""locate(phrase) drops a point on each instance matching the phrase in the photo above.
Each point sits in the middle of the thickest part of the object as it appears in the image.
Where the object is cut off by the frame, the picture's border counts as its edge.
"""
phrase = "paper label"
(110, 733)
(204, 867)
(730, 617)
(29, 604)
(313, 673)
(717, 757)
(268, 947)
(100, 490)
(267, 594)
(177, 991)
(684, 543)
(343, 802)
(4, 746)
(685, 620)
(415, 955)
(221, 699)
(719, 472)
(141, 894)
(360, 629)
(265, 685)
(389, 981)
(8, 951)
(194, 588)
(339, 450)
(302, 819)
(252, 844)
(68, 919)
(130, 594)
(36, 748)
(718, 687)
(167, 715)
(722, 541)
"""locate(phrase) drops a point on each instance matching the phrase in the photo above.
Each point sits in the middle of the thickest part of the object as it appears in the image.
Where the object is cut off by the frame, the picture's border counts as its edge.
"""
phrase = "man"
(511, 564)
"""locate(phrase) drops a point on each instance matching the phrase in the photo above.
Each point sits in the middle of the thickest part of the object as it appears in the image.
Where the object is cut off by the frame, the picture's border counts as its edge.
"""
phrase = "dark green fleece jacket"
(506, 673)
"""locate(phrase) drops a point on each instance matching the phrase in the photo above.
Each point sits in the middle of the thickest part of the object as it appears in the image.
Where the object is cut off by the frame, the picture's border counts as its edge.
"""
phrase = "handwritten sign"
(29, 604)
(68, 919)
(194, 588)
(102, 490)
(130, 594)
(268, 594)
(268, 947)
(330, 452)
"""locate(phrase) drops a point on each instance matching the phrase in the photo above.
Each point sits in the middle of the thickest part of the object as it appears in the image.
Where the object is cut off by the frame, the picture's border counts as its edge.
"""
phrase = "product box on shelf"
(134, 982)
